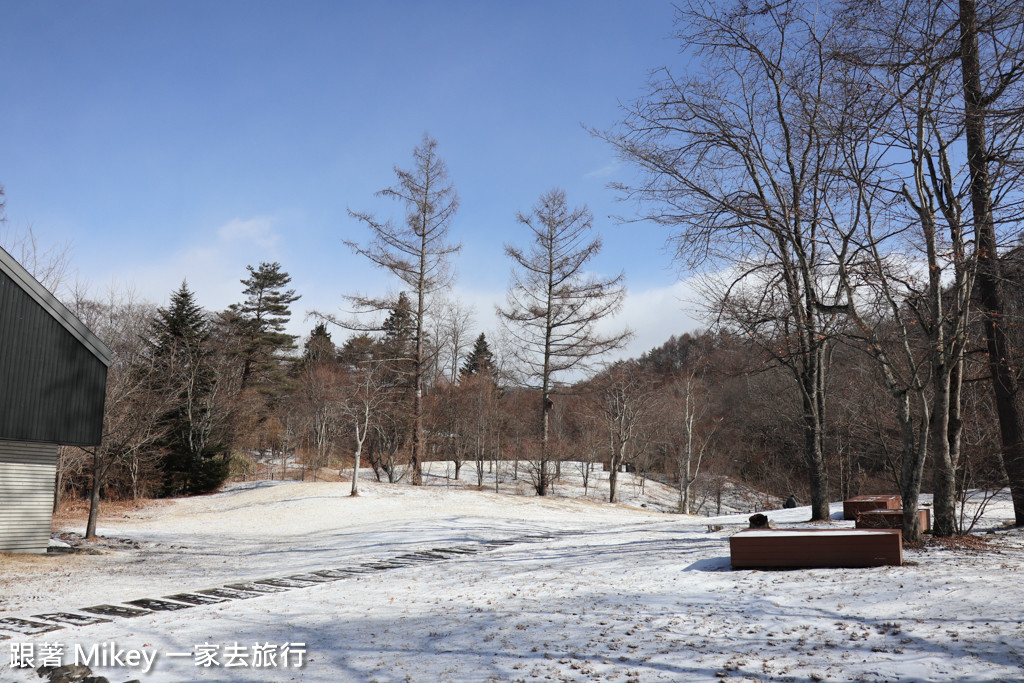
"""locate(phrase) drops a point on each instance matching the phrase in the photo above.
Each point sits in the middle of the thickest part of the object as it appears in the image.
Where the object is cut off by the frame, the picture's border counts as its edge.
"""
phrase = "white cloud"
(213, 268)
(603, 172)
(654, 315)
(257, 231)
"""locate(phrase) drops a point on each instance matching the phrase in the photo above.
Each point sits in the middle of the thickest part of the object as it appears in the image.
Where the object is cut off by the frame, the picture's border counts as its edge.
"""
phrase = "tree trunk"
(813, 400)
(417, 407)
(542, 474)
(94, 495)
(479, 462)
(944, 474)
(989, 283)
(355, 470)
(497, 462)
(915, 452)
(613, 478)
(685, 480)
(417, 433)
(956, 425)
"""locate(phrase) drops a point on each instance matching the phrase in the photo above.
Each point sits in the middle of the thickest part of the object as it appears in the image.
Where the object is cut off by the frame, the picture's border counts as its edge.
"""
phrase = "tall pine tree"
(260, 321)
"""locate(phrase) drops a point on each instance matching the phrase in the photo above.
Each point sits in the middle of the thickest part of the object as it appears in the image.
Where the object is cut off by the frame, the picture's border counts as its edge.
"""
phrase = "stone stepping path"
(39, 624)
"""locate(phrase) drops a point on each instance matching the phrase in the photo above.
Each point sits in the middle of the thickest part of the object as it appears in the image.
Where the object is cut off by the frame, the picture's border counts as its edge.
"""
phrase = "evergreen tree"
(480, 360)
(183, 358)
(180, 327)
(357, 350)
(261, 319)
(319, 347)
(398, 345)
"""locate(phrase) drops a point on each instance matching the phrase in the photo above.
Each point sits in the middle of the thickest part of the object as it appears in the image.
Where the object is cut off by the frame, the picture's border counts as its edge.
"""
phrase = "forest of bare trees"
(845, 175)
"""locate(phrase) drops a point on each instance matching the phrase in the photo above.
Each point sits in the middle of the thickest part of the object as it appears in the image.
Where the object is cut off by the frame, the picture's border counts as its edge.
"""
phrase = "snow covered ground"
(581, 591)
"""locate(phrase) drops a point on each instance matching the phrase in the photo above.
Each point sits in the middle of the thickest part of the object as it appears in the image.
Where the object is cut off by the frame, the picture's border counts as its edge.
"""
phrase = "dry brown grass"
(968, 542)
(74, 510)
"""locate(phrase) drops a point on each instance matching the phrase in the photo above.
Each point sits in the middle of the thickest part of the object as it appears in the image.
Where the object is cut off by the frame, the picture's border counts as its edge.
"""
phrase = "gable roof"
(55, 308)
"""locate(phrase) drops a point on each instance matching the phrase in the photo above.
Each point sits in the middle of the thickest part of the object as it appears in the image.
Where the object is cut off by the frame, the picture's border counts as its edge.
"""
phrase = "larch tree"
(553, 305)
(417, 251)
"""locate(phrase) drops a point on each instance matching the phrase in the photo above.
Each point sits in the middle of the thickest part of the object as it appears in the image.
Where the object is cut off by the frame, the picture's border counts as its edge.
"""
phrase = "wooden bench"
(890, 519)
(767, 548)
(853, 506)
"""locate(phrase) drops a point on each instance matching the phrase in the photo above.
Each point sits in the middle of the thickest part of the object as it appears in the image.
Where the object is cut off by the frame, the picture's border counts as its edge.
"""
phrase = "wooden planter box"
(769, 548)
(858, 504)
(891, 519)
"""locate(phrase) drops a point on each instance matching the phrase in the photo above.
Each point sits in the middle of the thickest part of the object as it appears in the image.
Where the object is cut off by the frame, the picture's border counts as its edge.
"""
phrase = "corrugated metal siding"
(27, 472)
(52, 387)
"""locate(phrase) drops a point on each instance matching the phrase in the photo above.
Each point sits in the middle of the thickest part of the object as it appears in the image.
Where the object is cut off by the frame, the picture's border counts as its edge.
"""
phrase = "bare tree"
(688, 409)
(625, 397)
(480, 419)
(587, 448)
(135, 399)
(72, 463)
(451, 335)
(553, 306)
(951, 77)
(445, 412)
(992, 63)
(319, 389)
(417, 251)
(736, 164)
(389, 439)
(367, 392)
(50, 265)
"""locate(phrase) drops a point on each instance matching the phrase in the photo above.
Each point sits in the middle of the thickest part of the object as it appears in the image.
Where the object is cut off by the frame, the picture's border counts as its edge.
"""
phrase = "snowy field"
(529, 589)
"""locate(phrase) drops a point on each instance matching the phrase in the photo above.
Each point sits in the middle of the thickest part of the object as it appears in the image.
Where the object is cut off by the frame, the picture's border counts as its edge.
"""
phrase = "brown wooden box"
(859, 504)
(890, 519)
(757, 548)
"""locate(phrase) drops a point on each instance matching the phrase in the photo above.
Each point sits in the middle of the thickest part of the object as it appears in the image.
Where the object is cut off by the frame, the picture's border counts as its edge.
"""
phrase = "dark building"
(53, 375)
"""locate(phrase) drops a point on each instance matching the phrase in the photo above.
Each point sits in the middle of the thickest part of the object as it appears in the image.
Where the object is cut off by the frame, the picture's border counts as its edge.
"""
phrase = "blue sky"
(186, 139)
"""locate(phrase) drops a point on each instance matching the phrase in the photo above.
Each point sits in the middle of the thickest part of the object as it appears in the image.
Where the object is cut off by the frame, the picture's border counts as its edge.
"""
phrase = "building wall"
(27, 473)
(52, 386)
